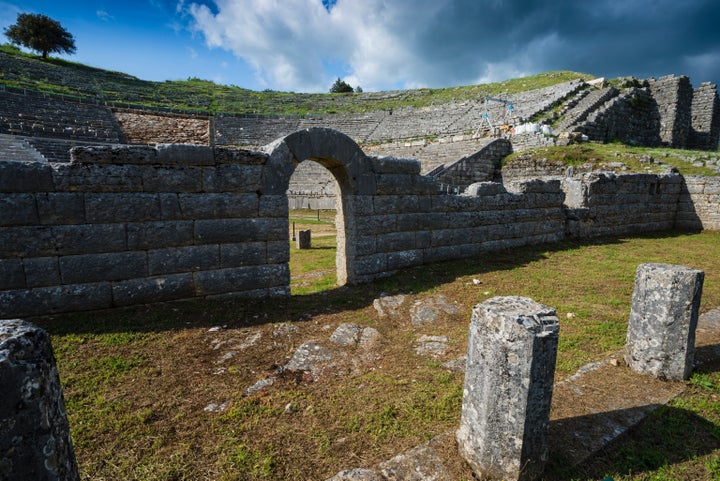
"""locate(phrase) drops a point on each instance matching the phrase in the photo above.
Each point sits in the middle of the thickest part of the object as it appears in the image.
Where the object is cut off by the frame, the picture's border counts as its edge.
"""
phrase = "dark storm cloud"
(405, 43)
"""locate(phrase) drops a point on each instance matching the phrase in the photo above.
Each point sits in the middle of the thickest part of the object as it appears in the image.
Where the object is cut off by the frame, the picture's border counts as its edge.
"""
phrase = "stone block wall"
(630, 117)
(603, 203)
(122, 225)
(407, 223)
(699, 203)
(673, 96)
(705, 118)
(129, 225)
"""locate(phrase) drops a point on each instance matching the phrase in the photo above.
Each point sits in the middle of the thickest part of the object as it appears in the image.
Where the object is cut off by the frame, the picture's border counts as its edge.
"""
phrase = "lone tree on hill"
(340, 87)
(40, 33)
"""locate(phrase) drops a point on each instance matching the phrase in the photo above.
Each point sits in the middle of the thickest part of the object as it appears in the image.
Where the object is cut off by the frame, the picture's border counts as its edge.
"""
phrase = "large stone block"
(27, 241)
(404, 259)
(172, 179)
(52, 299)
(115, 266)
(663, 318)
(184, 154)
(273, 206)
(98, 178)
(56, 208)
(243, 254)
(232, 178)
(114, 154)
(87, 238)
(42, 271)
(12, 275)
(153, 289)
(231, 231)
(278, 252)
(155, 235)
(110, 208)
(396, 241)
(35, 442)
(237, 280)
(18, 209)
(218, 206)
(183, 259)
(512, 349)
(25, 177)
(392, 165)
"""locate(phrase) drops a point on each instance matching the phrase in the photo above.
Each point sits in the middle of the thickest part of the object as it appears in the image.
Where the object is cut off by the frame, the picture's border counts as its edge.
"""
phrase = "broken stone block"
(512, 349)
(388, 305)
(664, 314)
(35, 442)
(303, 239)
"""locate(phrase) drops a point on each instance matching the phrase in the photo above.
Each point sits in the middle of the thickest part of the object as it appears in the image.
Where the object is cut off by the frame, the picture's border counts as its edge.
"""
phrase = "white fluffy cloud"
(382, 44)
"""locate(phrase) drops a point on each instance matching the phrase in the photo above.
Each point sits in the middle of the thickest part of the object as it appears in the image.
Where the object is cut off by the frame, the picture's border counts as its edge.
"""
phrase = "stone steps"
(18, 149)
(38, 115)
(590, 103)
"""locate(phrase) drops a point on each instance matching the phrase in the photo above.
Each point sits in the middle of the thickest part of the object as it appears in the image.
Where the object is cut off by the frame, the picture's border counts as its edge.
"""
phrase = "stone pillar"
(663, 318)
(303, 239)
(512, 348)
(35, 442)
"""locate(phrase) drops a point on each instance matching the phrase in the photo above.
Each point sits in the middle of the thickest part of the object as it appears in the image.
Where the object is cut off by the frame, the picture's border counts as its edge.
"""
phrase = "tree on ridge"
(340, 87)
(40, 33)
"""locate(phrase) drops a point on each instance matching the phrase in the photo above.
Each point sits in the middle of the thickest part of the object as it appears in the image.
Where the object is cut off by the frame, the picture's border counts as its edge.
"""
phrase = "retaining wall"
(144, 127)
(699, 204)
(122, 225)
(705, 118)
(673, 96)
(603, 203)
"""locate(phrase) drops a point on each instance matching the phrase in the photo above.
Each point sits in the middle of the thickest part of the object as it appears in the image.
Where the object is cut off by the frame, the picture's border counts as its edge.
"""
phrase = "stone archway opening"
(315, 203)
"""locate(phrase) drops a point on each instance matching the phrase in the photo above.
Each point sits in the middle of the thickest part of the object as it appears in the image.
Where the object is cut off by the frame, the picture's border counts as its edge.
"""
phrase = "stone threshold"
(590, 409)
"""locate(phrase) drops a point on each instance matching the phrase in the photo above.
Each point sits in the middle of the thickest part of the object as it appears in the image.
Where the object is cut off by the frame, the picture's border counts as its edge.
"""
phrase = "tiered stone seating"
(588, 104)
(34, 114)
(18, 149)
(253, 131)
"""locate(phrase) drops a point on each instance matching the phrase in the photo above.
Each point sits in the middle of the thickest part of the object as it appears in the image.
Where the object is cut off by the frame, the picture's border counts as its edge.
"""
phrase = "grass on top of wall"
(622, 158)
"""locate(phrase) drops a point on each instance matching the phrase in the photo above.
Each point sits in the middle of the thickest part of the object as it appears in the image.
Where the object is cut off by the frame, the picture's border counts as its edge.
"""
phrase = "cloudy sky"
(304, 45)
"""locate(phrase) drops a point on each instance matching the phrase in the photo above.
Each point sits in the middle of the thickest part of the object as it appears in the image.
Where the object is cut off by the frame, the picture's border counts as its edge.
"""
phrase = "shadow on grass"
(708, 357)
(247, 312)
(668, 436)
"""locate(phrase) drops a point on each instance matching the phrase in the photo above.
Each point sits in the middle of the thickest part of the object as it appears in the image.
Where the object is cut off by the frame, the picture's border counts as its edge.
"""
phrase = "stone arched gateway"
(348, 164)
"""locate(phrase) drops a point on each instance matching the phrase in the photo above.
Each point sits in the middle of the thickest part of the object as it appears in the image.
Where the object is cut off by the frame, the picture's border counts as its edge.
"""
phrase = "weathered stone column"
(663, 318)
(35, 442)
(512, 349)
(303, 239)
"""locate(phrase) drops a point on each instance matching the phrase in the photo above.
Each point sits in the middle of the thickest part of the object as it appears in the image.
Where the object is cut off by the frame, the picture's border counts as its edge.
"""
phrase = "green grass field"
(137, 380)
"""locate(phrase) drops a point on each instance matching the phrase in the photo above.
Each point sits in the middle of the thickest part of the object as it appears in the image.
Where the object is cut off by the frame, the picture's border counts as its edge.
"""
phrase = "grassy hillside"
(622, 158)
(21, 70)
